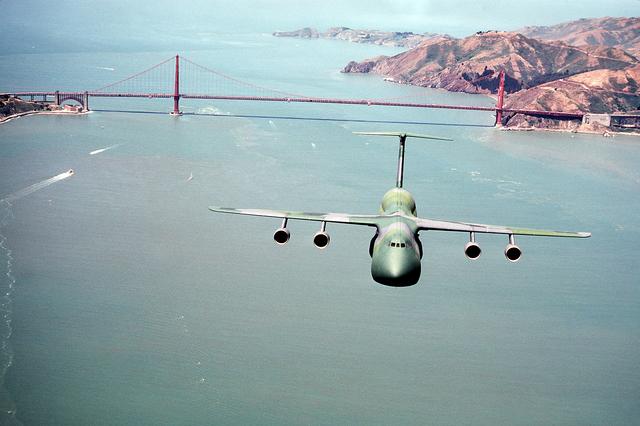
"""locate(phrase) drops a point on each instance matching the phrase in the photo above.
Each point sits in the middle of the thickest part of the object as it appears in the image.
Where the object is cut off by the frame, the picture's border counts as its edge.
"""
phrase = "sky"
(46, 21)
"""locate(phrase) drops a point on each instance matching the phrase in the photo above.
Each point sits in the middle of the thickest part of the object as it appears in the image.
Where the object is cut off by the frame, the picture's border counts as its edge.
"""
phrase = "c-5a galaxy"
(395, 249)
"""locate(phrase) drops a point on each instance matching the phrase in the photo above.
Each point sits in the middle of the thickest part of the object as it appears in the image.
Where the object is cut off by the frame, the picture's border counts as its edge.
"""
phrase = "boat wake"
(36, 187)
(98, 151)
(210, 110)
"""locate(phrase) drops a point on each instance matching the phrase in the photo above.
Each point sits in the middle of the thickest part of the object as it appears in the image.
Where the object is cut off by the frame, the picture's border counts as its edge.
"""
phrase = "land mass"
(623, 33)
(383, 38)
(471, 64)
(541, 72)
(13, 107)
(598, 92)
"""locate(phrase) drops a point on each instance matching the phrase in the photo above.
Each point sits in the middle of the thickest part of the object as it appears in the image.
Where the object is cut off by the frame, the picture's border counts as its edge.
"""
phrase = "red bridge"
(145, 85)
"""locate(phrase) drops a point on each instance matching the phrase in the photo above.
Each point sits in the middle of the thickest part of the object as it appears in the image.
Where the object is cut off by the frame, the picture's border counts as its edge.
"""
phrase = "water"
(127, 302)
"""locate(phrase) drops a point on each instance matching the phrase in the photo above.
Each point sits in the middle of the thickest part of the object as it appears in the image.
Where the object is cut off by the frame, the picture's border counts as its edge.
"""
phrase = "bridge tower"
(176, 89)
(500, 99)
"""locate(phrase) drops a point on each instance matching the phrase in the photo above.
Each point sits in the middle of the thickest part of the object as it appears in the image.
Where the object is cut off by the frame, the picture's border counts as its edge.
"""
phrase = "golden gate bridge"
(179, 78)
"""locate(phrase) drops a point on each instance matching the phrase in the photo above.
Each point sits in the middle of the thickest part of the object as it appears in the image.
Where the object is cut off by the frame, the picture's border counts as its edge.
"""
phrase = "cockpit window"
(399, 245)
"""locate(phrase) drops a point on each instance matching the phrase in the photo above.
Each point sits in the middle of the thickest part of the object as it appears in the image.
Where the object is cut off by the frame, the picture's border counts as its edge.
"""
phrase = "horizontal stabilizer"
(403, 134)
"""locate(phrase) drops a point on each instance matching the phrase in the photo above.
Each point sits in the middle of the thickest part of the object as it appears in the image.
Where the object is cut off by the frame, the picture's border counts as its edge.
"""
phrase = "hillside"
(471, 64)
(10, 106)
(622, 33)
(599, 91)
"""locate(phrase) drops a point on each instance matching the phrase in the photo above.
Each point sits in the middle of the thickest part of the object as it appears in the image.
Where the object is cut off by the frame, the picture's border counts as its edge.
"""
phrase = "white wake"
(98, 151)
(36, 187)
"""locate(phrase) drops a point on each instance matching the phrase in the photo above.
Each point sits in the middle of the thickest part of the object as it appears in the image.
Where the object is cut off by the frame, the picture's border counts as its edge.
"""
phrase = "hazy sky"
(145, 20)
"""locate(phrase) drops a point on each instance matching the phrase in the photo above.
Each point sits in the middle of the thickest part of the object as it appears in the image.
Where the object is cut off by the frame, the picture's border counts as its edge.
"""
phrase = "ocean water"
(125, 301)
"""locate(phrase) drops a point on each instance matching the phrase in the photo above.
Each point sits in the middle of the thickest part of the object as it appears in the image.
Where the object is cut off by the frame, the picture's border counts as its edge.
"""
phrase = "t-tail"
(403, 138)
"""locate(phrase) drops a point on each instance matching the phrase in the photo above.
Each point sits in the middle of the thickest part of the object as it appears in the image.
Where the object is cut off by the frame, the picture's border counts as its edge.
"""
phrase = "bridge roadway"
(368, 102)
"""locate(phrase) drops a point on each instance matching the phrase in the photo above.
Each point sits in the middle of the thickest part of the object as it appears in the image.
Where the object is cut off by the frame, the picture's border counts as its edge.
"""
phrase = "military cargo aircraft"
(396, 249)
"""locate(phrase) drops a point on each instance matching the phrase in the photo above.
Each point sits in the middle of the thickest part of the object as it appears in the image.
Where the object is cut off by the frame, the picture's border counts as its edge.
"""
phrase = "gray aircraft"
(395, 249)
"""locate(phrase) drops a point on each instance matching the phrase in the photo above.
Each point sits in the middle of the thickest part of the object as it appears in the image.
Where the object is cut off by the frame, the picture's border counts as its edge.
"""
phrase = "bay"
(130, 303)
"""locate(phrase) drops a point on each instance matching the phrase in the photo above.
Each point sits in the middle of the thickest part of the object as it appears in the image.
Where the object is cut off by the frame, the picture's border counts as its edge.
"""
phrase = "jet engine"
(321, 238)
(282, 234)
(512, 252)
(472, 249)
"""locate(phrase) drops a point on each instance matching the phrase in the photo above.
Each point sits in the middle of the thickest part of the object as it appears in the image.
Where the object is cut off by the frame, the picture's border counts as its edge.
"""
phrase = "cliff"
(386, 38)
(471, 64)
(12, 106)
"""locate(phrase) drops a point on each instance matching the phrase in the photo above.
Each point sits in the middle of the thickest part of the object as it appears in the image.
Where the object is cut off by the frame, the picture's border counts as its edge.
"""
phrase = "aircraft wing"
(441, 225)
(368, 220)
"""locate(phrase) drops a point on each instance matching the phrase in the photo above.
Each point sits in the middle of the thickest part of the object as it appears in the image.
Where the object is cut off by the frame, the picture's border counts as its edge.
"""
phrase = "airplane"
(396, 249)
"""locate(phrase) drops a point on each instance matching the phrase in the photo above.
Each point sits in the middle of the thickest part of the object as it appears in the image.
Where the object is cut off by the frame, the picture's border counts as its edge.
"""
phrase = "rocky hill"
(623, 33)
(11, 106)
(599, 91)
(589, 65)
(386, 38)
(471, 64)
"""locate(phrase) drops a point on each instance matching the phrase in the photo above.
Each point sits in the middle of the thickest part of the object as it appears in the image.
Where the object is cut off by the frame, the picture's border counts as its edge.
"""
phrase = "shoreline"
(11, 117)
(606, 134)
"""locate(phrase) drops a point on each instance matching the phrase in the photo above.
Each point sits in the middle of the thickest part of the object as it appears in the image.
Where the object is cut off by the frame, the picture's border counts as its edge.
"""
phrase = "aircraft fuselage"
(396, 249)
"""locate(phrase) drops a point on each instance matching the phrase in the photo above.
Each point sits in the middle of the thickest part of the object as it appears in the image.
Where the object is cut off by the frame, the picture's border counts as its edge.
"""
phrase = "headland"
(586, 66)
(12, 107)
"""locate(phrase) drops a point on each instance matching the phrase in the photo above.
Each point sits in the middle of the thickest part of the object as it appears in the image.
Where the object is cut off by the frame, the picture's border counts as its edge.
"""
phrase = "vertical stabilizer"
(399, 177)
(403, 139)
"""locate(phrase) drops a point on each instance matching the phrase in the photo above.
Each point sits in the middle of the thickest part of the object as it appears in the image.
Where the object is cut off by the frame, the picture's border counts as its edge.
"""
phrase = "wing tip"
(219, 209)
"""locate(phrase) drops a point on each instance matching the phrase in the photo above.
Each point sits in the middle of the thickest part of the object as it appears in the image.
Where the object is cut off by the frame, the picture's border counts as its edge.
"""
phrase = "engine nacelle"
(512, 252)
(472, 250)
(281, 236)
(321, 239)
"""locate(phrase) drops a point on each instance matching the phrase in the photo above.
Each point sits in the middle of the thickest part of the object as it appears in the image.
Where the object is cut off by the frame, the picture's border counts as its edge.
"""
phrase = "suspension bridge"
(179, 78)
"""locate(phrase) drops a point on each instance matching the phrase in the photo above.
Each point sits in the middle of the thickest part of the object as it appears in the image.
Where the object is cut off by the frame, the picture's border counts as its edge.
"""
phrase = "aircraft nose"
(396, 269)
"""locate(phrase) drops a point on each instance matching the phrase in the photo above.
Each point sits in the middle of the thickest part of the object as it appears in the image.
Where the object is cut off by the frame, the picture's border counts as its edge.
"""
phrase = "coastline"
(606, 134)
(8, 118)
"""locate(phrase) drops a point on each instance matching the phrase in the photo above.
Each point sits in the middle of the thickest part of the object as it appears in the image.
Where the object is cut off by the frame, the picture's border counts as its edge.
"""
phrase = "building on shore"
(626, 120)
